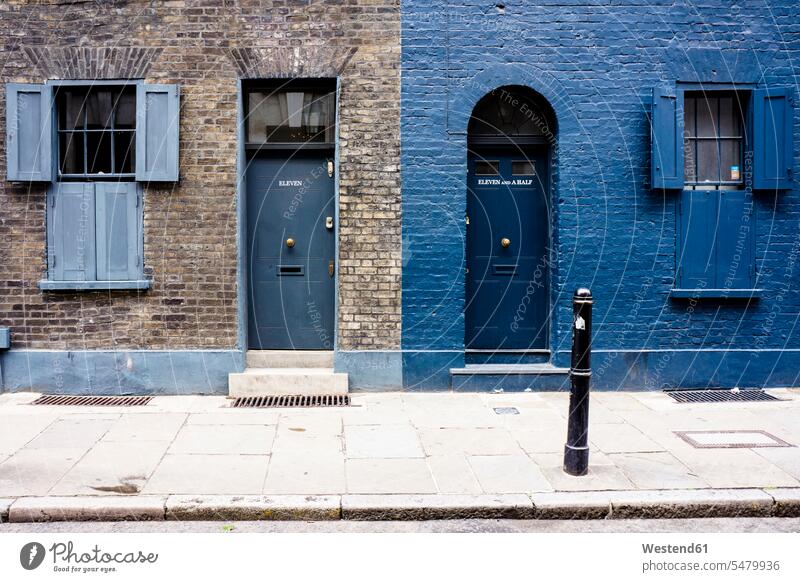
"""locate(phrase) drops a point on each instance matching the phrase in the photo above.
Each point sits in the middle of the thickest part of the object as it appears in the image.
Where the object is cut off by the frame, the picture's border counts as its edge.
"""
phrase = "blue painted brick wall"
(596, 63)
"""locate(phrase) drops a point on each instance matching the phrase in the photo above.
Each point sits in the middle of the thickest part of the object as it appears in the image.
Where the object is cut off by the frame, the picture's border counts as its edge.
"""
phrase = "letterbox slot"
(290, 271)
(505, 270)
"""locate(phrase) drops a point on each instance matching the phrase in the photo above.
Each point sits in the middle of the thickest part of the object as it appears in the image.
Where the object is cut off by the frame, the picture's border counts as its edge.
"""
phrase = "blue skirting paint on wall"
(426, 370)
(120, 372)
(371, 370)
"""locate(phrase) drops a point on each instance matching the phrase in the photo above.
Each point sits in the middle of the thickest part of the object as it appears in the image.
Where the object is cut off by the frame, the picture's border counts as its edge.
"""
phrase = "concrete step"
(508, 378)
(287, 381)
(289, 359)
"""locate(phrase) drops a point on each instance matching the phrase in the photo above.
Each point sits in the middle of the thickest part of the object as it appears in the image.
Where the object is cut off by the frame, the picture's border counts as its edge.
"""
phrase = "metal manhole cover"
(292, 401)
(695, 396)
(506, 410)
(68, 400)
(731, 439)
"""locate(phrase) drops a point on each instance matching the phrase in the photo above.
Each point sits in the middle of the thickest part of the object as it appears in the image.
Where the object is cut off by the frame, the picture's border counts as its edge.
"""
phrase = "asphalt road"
(466, 526)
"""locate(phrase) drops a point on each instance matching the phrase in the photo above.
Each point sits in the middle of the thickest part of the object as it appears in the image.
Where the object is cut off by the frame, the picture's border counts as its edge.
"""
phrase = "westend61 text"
(673, 549)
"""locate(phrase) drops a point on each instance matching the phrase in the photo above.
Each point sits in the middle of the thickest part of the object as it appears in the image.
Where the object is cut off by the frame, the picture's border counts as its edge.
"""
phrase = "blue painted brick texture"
(596, 64)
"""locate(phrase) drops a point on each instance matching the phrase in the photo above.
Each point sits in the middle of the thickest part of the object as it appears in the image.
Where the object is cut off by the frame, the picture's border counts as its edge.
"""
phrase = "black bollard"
(576, 451)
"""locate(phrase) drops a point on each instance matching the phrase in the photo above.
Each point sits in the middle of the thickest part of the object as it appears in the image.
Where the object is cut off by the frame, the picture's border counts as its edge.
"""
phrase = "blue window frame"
(716, 217)
(96, 143)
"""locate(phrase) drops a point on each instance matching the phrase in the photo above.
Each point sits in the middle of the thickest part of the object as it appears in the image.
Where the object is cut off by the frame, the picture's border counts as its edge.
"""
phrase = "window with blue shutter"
(28, 132)
(96, 142)
(716, 217)
(666, 143)
(773, 126)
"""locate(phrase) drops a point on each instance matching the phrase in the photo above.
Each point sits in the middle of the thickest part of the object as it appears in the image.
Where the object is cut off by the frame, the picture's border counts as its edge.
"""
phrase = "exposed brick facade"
(190, 229)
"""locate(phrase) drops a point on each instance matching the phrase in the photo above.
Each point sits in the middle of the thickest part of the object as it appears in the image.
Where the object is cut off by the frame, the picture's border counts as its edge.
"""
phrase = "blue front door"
(291, 250)
(507, 282)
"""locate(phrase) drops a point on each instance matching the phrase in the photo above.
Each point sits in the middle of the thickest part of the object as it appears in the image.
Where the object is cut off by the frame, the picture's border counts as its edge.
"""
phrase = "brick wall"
(190, 228)
(596, 63)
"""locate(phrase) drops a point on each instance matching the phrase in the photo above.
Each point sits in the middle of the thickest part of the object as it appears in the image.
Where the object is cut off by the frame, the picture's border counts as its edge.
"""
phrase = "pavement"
(394, 456)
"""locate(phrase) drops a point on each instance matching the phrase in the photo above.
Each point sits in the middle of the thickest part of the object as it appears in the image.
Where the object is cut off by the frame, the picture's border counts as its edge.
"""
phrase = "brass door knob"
(290, 242)
(504, 242)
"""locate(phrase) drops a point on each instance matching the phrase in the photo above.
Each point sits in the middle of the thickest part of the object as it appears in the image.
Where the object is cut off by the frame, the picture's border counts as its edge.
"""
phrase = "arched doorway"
(508, 228)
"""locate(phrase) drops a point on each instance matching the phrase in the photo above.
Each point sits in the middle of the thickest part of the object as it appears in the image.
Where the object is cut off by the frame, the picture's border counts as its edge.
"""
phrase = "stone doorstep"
(287, 382)
(649, 504)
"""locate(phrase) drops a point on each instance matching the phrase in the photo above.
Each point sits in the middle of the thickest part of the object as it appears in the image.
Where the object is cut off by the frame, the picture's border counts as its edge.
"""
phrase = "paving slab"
(453, 474)
(235, 416)
(36, 471)
(547, 440)
(253, 507)
(657, 471)
(130, 508)
(422, 507)
(508, 474)
(17, 430)
(309, 473)
(146, 427)
(72, 433)
(787, 459)
(389, 476)
(599, 478)
(387, 441)
(112, 467)
(189, 403)
(787, 502)
(228, 439)
(731, 468)
(691, 503)
(321, 422)
(209, 474)
(469, 441)
(621, 438)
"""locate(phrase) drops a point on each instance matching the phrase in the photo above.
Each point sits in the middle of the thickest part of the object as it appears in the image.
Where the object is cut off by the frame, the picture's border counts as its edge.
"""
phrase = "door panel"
(291, 288)
(507, 286)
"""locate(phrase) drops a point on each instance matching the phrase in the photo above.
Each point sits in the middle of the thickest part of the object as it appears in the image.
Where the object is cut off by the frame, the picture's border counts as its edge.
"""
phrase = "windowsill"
(715, 293)
(139, 285)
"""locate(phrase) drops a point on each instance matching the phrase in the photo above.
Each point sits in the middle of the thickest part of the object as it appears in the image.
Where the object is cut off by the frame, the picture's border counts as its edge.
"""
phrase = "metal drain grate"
(694, 396)
(292, 401)
(65, 400)
(731, 439)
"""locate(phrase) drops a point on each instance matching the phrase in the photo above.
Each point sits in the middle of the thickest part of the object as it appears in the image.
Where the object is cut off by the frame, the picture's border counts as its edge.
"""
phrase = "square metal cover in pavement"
(730, 439)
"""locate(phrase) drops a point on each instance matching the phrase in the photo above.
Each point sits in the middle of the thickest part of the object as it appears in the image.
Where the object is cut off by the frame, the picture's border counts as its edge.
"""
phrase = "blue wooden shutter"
(157, 124)
(666, 145)
(696, 261)
(71, 232)
(773, 124)
(735, 240)
(117, 231)
(28, 132)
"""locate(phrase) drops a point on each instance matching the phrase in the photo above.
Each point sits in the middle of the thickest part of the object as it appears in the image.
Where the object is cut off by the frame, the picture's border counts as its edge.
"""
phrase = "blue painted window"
(96, 142)
(716, 216)
(716, 128)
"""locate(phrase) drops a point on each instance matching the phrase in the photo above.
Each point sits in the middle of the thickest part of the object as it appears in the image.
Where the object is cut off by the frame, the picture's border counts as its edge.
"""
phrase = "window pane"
(99, 104)
(689, 160)
(522, 168)
(707, 117)
(729, 125)
(731, 160)
(483, 168)
(124, 152)
(290, 117)
(71, 148)
(70, 108)
(689, 104)
(707, 161)
(98, 152)
(126, 110)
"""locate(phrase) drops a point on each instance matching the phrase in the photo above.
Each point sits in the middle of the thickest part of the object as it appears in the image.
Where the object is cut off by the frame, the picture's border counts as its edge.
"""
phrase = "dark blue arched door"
(507, 281)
